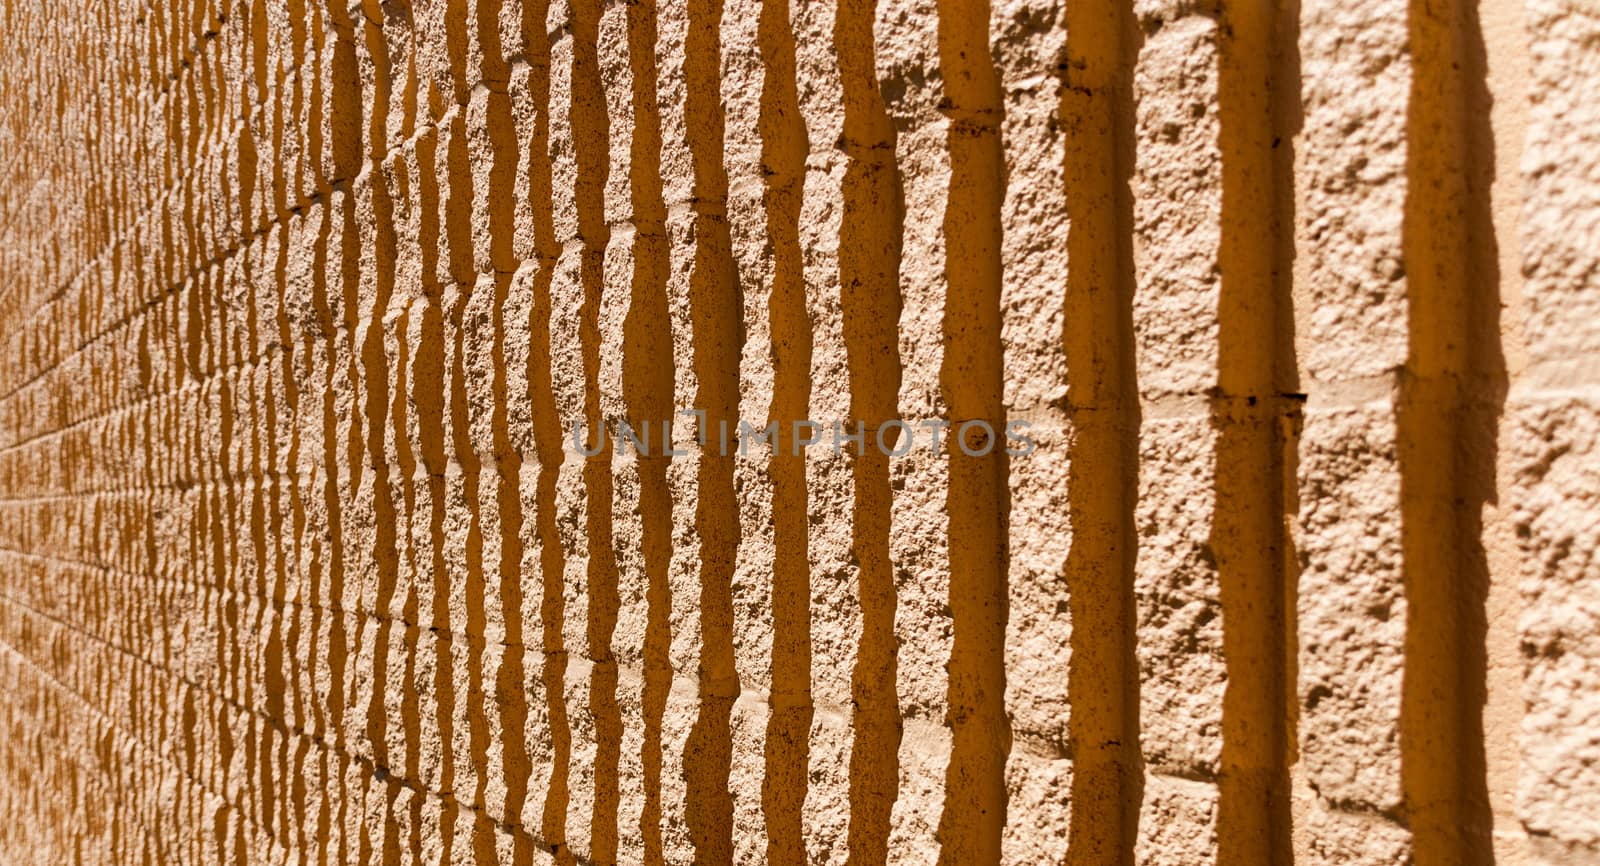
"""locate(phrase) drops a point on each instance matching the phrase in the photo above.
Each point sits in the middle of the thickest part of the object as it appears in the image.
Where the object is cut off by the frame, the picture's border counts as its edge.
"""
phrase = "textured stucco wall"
(299, 561)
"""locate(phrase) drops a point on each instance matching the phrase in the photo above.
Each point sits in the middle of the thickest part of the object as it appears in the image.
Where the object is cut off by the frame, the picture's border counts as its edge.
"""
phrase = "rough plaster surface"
(301, 563)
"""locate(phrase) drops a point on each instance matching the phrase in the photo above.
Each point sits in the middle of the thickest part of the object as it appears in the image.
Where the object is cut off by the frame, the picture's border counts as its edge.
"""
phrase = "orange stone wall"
(1296, 302)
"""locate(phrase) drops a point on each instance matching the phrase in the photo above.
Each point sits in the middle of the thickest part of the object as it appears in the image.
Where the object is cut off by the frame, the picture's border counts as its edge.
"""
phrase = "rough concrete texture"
(302, 562)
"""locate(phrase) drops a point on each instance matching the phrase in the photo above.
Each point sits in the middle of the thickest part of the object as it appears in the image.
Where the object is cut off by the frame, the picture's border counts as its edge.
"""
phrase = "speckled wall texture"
(1261, 339)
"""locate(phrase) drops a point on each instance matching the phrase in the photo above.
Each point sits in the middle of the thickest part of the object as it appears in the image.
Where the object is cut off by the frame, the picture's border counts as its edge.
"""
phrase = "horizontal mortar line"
(837, 715)
(1362, 812)
(1573, 374)
(1369, 390)
(227, 480)
(838, 712)
(1167, 406)
(116, 790)
(134, 219)
(85, 124)
(129, 736)
(1188, 780)
(230, 481)
(35, 133)
(205, 595)
(248, 786)
(525, 266)
(217, 593)
(517, 61)
(1044, 416)
(209, 148)
(929, 739)
(20, 151)
(172, 93)
(147, 305)
(224, 480)
(218, 596)
(512, 828)
(11, 219)
(134, 315)
(169, 37)
(1352, 393)
(1162, 406)
(315, 737)
(488, 466)
(246, 243)
(234, 591)
(197, 378)
(195, 48)
(1553, 849)
(214, 375)
(240, 243)
(117, 238)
